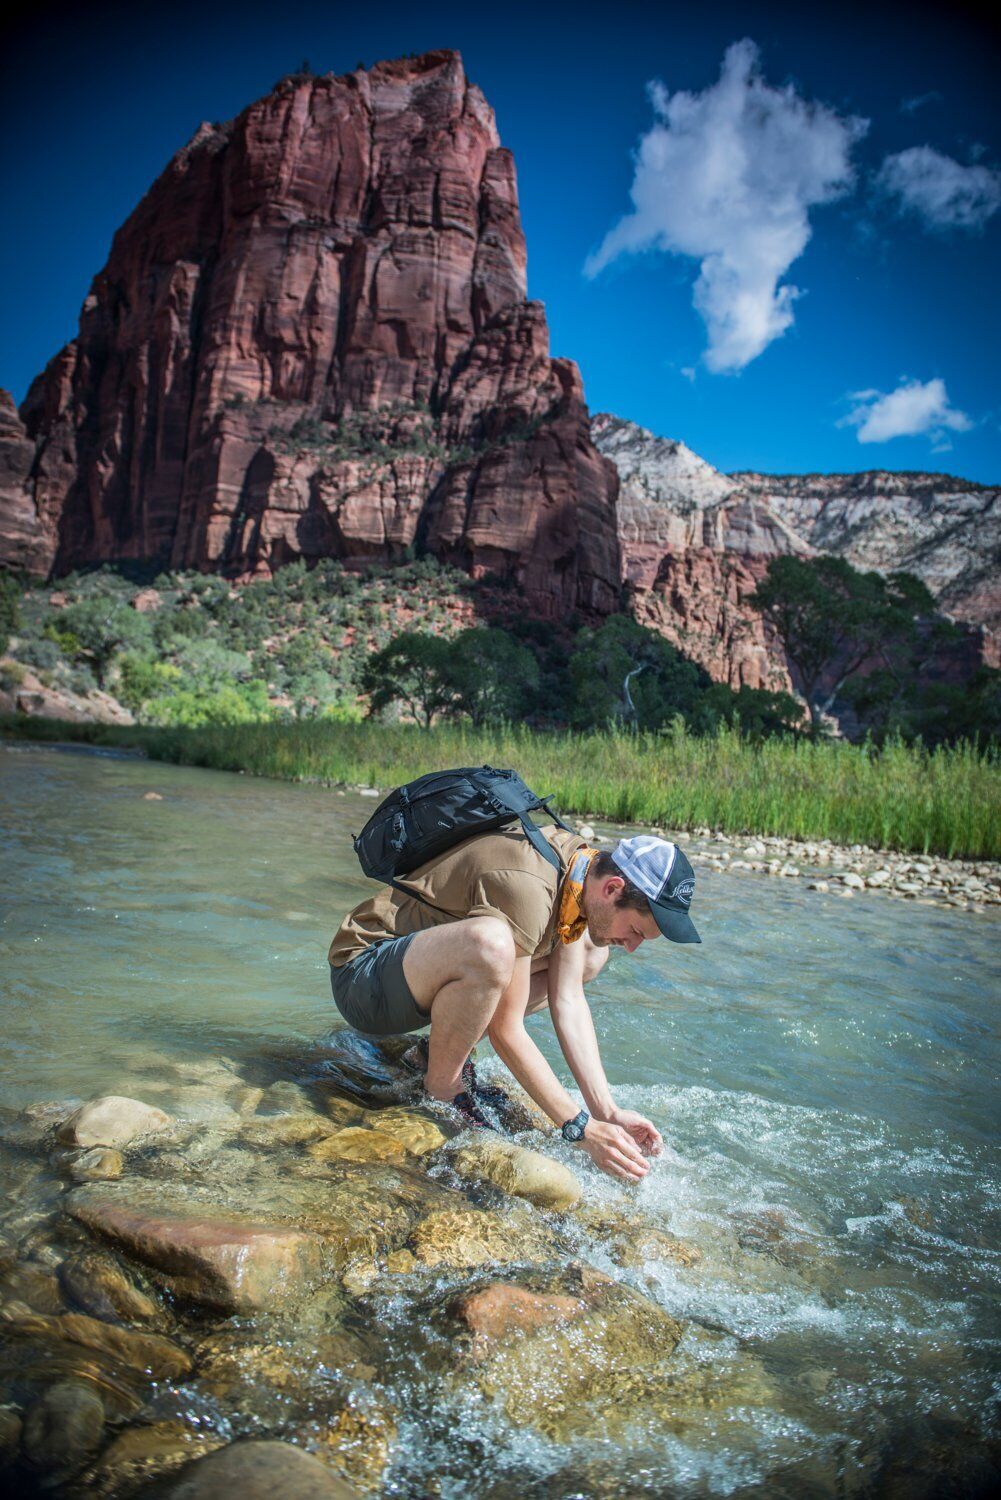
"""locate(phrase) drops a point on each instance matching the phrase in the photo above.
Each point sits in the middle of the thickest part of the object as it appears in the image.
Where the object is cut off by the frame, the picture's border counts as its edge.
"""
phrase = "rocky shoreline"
(173, 1285)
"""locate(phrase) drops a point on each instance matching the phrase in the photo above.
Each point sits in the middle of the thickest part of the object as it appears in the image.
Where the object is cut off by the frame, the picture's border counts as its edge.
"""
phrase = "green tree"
(832, 619)
(624, 672)
(494, 677)
(10, 608)
(102, 626)
(415, 670)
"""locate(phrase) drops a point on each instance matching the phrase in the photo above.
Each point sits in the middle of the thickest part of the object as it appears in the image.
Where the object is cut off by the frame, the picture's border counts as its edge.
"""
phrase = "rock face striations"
(311, 339)
(695, 543)
(946, 530)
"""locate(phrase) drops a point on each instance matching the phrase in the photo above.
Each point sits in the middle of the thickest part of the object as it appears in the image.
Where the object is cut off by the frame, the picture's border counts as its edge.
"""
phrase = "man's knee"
(491, 947)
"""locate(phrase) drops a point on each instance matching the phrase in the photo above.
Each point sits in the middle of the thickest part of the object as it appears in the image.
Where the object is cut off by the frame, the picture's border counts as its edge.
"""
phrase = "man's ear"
(611, 886)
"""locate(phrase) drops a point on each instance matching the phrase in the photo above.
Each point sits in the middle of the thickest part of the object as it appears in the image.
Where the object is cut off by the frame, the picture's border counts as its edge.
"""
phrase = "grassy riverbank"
(947, 802)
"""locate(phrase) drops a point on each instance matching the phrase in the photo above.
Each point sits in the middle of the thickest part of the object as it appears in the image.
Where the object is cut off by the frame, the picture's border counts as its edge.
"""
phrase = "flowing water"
(825, 1073)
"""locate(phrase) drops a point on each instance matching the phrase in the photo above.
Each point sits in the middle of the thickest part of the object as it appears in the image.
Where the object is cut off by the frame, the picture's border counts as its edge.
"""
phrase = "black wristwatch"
(574, 1129)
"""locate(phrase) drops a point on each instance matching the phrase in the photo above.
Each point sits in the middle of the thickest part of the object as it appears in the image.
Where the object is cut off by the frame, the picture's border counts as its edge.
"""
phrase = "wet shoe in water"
(466, 1106)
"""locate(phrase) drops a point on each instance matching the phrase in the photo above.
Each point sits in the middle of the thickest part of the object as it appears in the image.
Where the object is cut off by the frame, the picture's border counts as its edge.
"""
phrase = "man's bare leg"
(457, 974)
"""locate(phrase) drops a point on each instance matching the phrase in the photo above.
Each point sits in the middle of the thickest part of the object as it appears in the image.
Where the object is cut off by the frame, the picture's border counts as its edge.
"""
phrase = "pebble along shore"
(836, 869)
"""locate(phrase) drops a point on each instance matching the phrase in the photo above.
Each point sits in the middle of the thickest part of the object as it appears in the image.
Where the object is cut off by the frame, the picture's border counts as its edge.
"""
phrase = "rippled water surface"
(825, 1072)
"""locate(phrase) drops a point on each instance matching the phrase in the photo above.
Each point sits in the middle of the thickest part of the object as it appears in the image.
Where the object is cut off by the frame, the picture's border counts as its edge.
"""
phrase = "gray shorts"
(372, 994)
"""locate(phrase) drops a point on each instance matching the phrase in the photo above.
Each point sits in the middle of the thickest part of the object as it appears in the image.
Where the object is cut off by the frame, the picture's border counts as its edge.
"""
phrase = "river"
(825, 1073)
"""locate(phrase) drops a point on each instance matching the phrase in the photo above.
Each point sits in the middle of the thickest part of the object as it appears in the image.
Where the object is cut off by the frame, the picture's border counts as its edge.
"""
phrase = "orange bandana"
(572, 922)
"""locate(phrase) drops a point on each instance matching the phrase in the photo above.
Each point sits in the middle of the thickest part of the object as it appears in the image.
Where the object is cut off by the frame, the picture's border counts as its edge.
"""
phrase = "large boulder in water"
(205, 1256)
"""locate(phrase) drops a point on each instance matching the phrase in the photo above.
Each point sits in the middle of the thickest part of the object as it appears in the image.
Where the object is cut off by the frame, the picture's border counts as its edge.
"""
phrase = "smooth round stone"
(258, 1470)
(112, 1121)
(62, 1426)
(102, 1289)
(515, 1169)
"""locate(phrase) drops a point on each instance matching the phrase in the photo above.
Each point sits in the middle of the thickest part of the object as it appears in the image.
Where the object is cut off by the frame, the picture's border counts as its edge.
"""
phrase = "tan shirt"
(489, 875)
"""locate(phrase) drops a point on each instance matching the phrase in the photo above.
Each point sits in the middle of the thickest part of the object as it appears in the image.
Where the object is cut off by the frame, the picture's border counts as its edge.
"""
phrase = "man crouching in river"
(493, 934)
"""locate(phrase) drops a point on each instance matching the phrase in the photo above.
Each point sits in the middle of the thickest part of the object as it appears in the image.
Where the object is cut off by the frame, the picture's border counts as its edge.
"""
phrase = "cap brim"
(675, 925)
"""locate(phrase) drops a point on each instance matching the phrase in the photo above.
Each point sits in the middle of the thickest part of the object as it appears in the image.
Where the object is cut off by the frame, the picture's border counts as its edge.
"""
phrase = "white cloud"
(939, 189)
(909, 106)
(728, 177)
(915, 407)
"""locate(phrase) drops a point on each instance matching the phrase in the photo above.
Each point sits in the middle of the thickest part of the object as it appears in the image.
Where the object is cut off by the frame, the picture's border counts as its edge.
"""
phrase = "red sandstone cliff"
(311, 338)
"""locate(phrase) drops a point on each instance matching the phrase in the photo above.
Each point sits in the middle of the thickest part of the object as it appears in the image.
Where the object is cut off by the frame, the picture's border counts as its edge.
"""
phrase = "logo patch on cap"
(684, 892)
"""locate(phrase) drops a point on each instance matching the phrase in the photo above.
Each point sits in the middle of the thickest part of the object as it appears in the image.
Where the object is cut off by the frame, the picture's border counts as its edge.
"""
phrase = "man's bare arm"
(574, 1028)
(609, 1146)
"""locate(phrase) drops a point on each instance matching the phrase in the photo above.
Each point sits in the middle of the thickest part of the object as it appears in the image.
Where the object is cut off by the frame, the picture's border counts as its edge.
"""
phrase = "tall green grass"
(946, 801)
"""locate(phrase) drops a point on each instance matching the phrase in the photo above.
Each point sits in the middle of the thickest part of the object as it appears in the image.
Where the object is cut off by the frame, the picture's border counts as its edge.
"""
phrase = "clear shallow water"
(825, 1071)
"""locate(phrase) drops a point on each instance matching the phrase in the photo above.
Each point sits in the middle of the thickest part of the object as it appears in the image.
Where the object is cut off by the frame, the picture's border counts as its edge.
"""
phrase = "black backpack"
(421, 820)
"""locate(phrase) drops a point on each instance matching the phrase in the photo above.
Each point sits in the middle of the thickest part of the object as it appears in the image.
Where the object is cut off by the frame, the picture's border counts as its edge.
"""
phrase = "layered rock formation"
(694, 546)
(945, 530)
(695, 542)
(311, 339)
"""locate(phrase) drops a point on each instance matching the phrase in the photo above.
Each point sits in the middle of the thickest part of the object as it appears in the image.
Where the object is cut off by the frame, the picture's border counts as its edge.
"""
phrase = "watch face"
(574, 1132)
(574, 1129)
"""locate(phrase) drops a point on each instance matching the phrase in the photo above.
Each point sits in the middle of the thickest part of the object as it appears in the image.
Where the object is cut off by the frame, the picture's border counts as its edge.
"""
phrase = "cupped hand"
(645, 1134)
(613, 1149)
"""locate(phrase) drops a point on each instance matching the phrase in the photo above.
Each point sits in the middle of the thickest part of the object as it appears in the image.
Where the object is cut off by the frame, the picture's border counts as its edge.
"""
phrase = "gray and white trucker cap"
(667, 880)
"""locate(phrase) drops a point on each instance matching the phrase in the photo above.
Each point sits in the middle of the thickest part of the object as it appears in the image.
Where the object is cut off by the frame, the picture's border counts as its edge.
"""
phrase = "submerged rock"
(62, 1426)
(258, 1470)
(37, 1286)
(358, 1441)
(471, 1237)
(99, 1164)
(144, 1453)
(208, 1257)
(102, 1289)
(112, 1121)
(580, 1374)
(149, 1352)
(10, 1433)
(235, 1364)
(285, 1130)
(284, 1098)
(355, 1143)
(418, 1134)
(515, 1169)
(633, 1242)
(500, 1309)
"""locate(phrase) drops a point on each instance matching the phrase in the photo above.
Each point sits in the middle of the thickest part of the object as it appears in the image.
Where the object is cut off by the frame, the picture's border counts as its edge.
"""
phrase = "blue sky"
(757, 181)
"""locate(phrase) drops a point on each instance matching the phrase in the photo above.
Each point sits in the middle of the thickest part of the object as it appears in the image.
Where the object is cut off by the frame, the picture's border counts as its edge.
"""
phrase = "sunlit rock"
(502, 1309)
(99, 1164)
(204, 1256)
(415, 1132)
(355, 1143)
(514, 1169)
(112, 1121)
(472, 1237)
